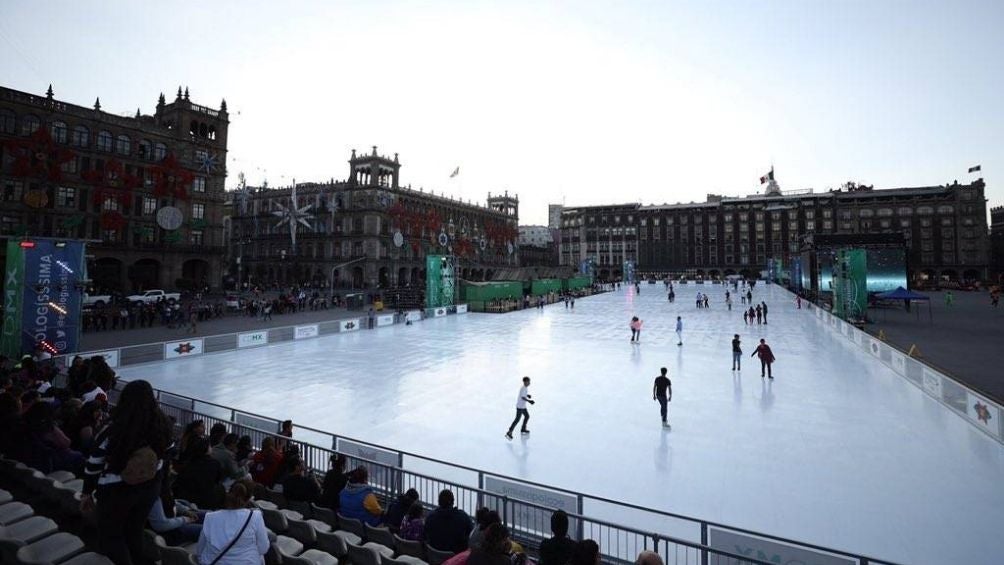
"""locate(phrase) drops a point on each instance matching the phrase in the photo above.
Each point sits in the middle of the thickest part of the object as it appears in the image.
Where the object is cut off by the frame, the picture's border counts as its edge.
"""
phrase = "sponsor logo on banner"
(440, 312)
(414, 315)
(932, 383)
(385, 320)
(186, 348)
(985, 414)
(256, 422)
(899, 363)
(461, 309)
(252, 339)
(528, 517)
(768, 550)
(350, 325)
(111, 357)
(873, 346)
(304, 332)
(368, 452)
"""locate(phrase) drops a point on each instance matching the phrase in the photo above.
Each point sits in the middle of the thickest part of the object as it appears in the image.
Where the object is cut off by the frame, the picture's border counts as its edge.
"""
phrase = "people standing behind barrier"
(558, 549)
(447, 528)
(334, 481)
(358, 501)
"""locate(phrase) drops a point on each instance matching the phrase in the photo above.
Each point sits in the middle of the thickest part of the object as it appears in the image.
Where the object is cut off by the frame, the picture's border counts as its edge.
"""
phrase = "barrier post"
(580, 528)
(704, 543)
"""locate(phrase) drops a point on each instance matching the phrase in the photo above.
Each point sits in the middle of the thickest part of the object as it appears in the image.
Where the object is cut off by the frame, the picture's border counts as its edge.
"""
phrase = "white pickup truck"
(97, 300)
(152, 296)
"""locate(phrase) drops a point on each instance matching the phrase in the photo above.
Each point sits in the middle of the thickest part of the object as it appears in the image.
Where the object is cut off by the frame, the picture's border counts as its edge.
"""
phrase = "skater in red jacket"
(766, 357)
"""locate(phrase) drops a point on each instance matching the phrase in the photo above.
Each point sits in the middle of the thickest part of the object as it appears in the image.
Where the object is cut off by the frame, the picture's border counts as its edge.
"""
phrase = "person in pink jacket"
(766, 357)
(635, 329)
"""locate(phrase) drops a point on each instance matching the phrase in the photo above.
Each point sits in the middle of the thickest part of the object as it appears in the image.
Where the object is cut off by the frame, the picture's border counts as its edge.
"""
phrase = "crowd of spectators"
(194, 486)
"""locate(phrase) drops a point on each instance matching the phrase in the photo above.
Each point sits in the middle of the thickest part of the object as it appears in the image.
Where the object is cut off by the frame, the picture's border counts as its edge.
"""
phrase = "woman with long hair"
(235, 535)
(123, 473)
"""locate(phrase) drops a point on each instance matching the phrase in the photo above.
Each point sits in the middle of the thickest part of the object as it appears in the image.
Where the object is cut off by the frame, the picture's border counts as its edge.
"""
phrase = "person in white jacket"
(235, 535)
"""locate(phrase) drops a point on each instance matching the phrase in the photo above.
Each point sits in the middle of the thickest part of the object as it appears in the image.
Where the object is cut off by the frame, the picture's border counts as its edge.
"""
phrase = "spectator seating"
(435, 556)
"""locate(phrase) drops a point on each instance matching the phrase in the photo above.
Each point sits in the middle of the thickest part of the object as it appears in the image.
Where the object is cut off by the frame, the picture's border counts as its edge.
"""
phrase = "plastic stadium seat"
(88, 559)
(152, 544)
(325, 515)
(291, 514)
(435, 556)
(363, 555)
(54, 549)
(275, 521)
(402, 560)
(286, 545)
(299, 506)
(75, 484)
(381, 536)
(170, 555)
(409, 547)
(5, 496)
(265, 504)
(351, 525)
(14, 512)
(20, 534)
(336, 543)
(383, 550)
(312, 557)
(304, 531)
(61, 476)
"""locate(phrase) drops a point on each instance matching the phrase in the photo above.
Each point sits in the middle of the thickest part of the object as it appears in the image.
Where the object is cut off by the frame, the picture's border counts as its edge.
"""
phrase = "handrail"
(704, 524)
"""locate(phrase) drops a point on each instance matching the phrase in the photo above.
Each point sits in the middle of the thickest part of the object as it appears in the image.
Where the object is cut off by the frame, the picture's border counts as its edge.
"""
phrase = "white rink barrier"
(983, 413)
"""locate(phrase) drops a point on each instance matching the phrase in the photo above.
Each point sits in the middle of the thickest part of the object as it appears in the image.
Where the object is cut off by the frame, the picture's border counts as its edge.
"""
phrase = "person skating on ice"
(766, 357)
(635, 326)
(679, 330)
(752, 315)
(662, 391)
(764, 306)
(737, 353)
(521, 412)
(759, 315)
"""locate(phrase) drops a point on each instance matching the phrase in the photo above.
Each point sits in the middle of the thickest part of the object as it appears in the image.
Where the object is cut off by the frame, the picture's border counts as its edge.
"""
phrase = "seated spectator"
(172, 520)
(223, 453)
(289, 456)
(85, 424)
(446, 527)
(235, 521)
(244, 450)
(483, 518)
(300, 485)
(495, 548)
(11, 426)
(334, 481)
(28, 398)
(200, 480)
(48, 445)
(217, 433)
(194, 429)
(413, 524)
(357, 500)
(648, 558)
(76, 375)
(93, 393)
(397, 509)
(586, 552)
(558, 549)
(265, 464)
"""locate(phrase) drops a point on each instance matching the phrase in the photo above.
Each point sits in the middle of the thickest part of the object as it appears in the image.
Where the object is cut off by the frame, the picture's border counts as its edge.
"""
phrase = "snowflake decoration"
(292, 216)
(209, 163)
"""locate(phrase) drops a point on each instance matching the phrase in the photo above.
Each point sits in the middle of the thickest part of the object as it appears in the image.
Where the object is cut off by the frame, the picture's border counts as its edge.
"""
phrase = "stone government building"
(147, 190)
(365, 232)
(944, 227)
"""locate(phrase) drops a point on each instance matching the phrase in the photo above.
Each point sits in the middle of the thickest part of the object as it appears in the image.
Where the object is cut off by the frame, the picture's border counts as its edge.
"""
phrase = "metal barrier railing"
(692, 541)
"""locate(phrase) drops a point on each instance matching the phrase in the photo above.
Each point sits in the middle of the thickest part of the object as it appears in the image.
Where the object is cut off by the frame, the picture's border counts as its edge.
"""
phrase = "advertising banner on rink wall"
(528, 517)
(42, 294)
(186, 348)
(252, 339)
(768, 550)
(305, 332)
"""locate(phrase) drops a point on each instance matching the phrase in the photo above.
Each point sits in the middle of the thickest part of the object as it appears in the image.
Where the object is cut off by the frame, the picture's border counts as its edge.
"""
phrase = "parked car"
(97, 300)
(152, 296)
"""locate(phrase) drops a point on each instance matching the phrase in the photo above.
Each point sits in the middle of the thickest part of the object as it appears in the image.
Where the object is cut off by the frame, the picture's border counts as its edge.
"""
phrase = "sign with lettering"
(111, 357)
(529, 517)
(439, 312)
(305, 332)
(350, 325)
(932, 383)
(256, 422)
(185, 348)
(252, 339)
(461, 308)
(983, 413)
(385, 320)
(767, 550)
(414, 315)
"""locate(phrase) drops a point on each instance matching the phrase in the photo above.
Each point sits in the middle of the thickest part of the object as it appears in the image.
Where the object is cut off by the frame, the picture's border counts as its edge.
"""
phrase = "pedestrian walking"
(700, 299)
(737, 353)
(679, 330)
(749, 296)
(728, 302)
(662, 391)
(764, 306)
(635, 329)
(949, 298)
(798, 302)
(672, 295)
(742, 297)
(746, 317)
(766, 357)
(521, 401)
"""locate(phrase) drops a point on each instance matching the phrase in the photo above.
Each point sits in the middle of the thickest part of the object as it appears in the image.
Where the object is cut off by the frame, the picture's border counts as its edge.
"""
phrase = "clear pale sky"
(581, 102)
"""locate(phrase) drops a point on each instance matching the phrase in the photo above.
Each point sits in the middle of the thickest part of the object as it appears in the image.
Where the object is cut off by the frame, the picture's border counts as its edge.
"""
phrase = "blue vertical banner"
(54, 273)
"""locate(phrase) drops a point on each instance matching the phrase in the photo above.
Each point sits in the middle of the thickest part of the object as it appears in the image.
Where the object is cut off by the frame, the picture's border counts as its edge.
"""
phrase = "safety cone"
(881, 335)
(914, 351)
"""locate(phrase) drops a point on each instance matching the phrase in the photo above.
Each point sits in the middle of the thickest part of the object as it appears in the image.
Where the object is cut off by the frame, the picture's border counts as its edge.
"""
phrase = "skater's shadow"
(737, 387)
(636, 354)
(663, 454)
(520, 452)
(766, 394)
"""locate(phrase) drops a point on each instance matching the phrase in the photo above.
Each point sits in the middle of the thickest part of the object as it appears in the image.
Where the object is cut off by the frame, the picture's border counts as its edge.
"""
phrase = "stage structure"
(440, 281)
(850, 279)
(43, 291)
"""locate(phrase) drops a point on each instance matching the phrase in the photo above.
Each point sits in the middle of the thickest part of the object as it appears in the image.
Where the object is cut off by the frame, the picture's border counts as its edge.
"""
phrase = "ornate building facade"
(147, 191)
(944, 228)
(366, 232)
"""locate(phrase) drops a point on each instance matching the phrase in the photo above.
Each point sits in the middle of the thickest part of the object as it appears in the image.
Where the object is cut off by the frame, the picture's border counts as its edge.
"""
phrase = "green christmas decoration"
(73, 222)
(143, 231)
(172, 237)
(198, 224)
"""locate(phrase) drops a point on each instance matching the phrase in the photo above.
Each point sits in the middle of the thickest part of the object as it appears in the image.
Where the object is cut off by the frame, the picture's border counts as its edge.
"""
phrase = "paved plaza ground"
(838, 450)
(965, 340)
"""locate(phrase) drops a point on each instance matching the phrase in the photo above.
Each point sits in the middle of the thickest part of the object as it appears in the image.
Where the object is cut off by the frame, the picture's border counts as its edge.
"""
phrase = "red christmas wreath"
(172, 179)
(39, 156)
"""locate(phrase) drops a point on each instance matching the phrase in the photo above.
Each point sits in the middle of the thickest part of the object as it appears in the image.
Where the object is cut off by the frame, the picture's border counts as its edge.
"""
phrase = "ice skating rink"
(837, 450)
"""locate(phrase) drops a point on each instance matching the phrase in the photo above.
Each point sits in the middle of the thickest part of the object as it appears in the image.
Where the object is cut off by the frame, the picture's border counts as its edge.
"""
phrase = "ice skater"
(521, 412)
(764, 305)
(705, 300)
(798, 302)
(662, 391)
(728, 302)
(749, 296)
(679, 330)
(700, 299)
(737, 353)
(635, 326)
(759, 315)
(766, 357)
(746, 317)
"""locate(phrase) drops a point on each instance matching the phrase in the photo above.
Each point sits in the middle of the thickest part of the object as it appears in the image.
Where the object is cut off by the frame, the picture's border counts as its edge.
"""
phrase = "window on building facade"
(9, 224)
(71, 166)
(810, 225)
(866, 224)
(30, 124)
(196, 237)
(948, 257)
(110, 235)
(884, 212)
(198, 211)
(846, 214)
(58, 131)
(809, 214)
(144, 150)
(947, 221)
(846, 226)
(827, 214)
(7, 122)
(159, 151)
(199, 184)
(66, 197)
(885, 224)
(926, 245)
(793, 225)
(729, 259)
(123, 145)
(866, 213)
(924, 210)
(905, 211)
(905, 223)
(947, 233)
(927, 258)
(828, 225)
(946, 209)
(104, 141)
(12, 190)
(149, 206)
(111, 204)
(776, 248)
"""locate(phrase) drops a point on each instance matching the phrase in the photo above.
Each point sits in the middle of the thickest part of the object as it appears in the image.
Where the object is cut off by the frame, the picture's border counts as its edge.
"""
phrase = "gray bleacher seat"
(435, 556)
(14, 512)
(88, 558)
(265, 504)
(381, 536)
(170, 555)
(5, 496)
(336, 543)
(61, 476)
(325, 515)
(53, 549)
(310, 557)
(402, 560)
(152, 542)
(26, 531)
(351, 525)
(299, 506)
(363, 555)
(275, 520)
(75, 484)
(302, 531)
(286, 545)
(409, 547)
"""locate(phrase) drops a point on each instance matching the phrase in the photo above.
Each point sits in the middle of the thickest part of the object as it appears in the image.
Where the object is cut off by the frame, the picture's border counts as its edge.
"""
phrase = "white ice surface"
(837, 450)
